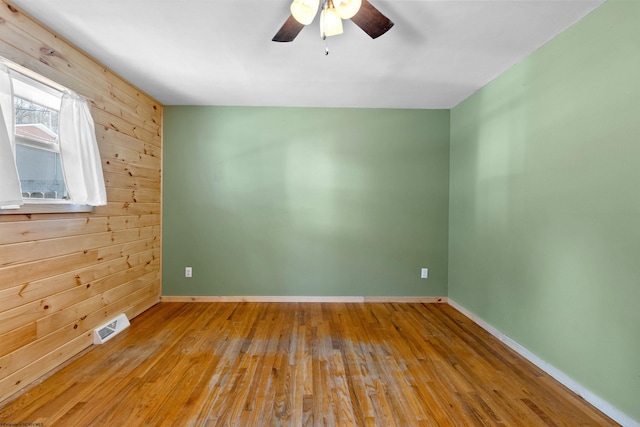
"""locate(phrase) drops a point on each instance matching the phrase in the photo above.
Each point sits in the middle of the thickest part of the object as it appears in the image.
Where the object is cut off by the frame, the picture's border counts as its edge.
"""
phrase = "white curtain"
(10, 193)
(79, 152)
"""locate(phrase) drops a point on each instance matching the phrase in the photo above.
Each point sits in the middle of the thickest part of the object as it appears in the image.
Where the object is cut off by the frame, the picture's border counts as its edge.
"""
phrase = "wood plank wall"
(61, 275)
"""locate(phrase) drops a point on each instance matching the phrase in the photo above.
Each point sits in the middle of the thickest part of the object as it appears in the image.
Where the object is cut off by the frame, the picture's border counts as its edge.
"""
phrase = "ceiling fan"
(361, 12)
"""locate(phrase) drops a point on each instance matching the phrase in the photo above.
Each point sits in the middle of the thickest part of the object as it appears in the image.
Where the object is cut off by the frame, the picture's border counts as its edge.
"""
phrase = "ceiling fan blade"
(288, 31)
(371, 20)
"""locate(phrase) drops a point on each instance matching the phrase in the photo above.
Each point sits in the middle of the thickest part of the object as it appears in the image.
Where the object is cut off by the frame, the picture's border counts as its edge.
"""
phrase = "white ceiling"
(219, 52)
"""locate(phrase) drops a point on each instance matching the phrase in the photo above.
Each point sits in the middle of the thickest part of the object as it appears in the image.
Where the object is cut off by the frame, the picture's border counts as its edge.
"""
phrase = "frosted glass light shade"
(330, 22)
(304, 10)
(347, 8)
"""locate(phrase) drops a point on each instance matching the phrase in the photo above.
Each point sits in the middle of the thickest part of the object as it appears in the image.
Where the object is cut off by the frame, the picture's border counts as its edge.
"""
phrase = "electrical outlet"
(424, 273)
(188, 272)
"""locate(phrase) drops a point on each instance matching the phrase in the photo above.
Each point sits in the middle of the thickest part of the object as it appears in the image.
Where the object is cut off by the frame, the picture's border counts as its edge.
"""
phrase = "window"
(36, 108)
(49, 158)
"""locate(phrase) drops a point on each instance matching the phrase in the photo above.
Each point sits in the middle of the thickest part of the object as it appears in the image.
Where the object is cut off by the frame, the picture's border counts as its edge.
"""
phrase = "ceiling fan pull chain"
(326, 47)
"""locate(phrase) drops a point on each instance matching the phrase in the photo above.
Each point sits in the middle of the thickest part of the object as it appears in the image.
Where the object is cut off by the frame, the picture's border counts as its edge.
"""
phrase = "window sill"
(46, 206)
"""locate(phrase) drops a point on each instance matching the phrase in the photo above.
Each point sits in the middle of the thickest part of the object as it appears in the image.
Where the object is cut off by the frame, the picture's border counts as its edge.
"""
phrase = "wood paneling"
(302, 364)
(61, 275)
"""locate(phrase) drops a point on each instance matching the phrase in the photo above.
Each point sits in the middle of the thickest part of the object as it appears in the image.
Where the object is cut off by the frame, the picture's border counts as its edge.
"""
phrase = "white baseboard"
(427, 300)
(604, 406)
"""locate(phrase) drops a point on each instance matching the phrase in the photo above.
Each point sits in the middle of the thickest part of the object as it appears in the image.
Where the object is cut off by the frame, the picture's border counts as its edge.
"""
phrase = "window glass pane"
(37, 151)
(40, 173)
(34, 121)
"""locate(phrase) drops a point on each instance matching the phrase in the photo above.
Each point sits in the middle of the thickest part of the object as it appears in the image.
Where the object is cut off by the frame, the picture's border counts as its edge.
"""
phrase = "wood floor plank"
(301, 364)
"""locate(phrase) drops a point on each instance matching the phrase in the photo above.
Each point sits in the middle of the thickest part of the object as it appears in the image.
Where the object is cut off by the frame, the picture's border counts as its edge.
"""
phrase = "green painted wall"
(545, 203)
(305, 201)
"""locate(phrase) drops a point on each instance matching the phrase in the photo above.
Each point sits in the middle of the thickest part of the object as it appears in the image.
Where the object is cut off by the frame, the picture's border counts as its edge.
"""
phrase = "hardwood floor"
(255, 364)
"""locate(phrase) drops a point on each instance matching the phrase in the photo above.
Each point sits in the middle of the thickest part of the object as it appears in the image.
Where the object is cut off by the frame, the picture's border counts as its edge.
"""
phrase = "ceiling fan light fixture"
(330, 21)
(347, 9)
(304, 10)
